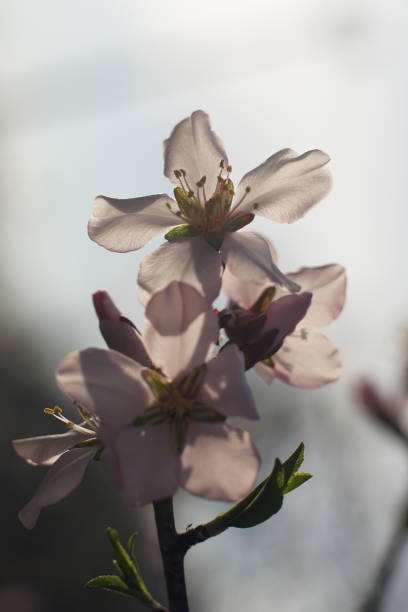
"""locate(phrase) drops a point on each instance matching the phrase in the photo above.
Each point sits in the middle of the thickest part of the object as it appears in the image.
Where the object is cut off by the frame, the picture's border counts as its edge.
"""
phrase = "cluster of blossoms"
(153, 406)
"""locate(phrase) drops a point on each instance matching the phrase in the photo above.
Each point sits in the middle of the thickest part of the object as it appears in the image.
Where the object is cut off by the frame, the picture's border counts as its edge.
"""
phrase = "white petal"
(285, 186)
(190, 260)
(181, 329)
(328, 285)
(225, 386)
(219, 462)
(247, 255)
(309, 363)
(62, 478)
(45, 450)
(105, 382)
(241, 292)
(127, 225)
(195, 148)
(149, 464)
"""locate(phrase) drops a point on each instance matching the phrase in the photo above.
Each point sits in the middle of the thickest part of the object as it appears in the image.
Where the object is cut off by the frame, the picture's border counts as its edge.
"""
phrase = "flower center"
(177, 404)
(214, 215)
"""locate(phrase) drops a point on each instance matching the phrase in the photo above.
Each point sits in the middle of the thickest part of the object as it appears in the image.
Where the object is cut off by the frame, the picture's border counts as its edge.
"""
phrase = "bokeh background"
(89, 91)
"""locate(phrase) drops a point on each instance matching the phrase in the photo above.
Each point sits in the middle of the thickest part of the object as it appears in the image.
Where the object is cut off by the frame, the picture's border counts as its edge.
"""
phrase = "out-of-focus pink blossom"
(307, 358)
(210, 212)
(155, 427)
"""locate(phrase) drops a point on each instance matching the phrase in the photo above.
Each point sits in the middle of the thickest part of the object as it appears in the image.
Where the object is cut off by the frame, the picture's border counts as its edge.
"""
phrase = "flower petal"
(285, 313)
(105, 382)
(243, 293)
(308, 363)
(285, 186)
(105, 307)
(119, 333)
(190, 260)
(195, 148)
(62, 478)
(149, 464)
(225, 387)
(219, 462)
(328, 285)
(45, 450)
(248, 257)
(127, 225)
(181, 329)
(122, 337)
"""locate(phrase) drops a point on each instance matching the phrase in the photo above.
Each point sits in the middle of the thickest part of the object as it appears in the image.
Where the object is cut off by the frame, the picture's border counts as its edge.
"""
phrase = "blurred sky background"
(89, 91)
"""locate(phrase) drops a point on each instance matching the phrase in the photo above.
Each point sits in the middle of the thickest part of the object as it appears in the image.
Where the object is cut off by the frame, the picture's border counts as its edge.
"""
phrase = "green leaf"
(267, 502)
(131, 544)
(182, 231)
(110, 583)
(295, 481)
(293, 463)
(127, 567)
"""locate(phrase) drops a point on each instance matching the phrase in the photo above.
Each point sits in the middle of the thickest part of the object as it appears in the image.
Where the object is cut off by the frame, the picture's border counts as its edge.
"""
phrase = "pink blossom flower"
(307, 358)
(210, 212)
(260, 329)
(154, 427)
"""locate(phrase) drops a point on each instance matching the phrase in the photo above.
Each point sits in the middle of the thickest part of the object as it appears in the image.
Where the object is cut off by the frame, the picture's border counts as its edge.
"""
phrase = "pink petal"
(45, 450)
(285, 186)
(119, 333)
(244, 293)
(309, 363)
(190, 260)
(105, 307)
(122, 337)
(105, 382)
(285, 313)
(247, 256)
(127, 225)
(62, 478)
(328, 285)
(149, 464)
(219, 462)
(180, 330)
(195, 148)
(225, 386)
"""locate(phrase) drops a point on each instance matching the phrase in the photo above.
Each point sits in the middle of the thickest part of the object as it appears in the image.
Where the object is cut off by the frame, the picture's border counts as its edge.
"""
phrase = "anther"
(168, 205)
(229, 169)
(222, 163)
(48, 411)
(247, 189)
(177, 173)
(57, 410)
(255, 206)
(183, 172)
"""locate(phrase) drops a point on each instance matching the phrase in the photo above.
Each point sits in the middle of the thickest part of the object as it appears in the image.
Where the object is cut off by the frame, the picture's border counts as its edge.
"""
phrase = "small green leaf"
(131, 544)
(110, 583)
(182, 231)
(295, 481)
(127, 567)
(269, 362)
(293, 463)
(267, 502)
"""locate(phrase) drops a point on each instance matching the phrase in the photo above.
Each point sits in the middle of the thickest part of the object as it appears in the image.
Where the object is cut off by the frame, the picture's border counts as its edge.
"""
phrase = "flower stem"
(172, 552)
